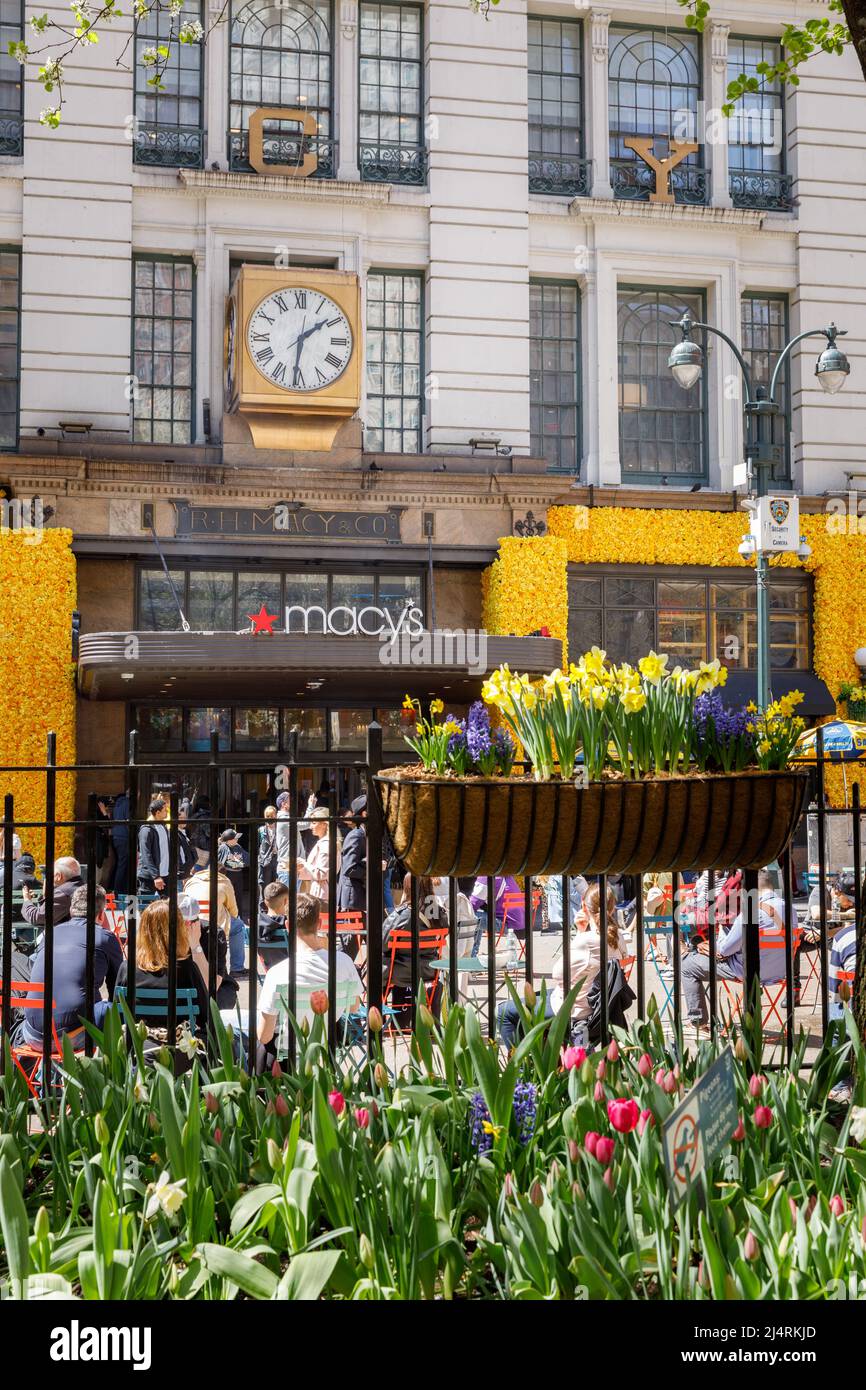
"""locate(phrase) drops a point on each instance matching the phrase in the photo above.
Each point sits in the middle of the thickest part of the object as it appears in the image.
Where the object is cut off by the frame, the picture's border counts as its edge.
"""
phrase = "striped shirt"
(842, 954)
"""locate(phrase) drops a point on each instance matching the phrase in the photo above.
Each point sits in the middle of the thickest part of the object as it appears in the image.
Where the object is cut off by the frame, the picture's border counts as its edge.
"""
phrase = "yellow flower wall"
(37, 598)
(526, 587)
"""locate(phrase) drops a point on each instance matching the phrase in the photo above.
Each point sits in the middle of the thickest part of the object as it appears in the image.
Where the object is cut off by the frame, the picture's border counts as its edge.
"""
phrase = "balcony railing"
(388, 163)
(11, 132)
(283, 147)
(759, 189)
(632, 179)
(566, 175)
(169, 146)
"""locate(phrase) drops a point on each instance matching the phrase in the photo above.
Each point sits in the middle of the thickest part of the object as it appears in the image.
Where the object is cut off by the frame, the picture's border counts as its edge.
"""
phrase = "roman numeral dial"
(299, 340)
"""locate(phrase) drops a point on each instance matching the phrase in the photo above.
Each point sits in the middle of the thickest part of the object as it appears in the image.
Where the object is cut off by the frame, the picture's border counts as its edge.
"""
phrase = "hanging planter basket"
(449, 826)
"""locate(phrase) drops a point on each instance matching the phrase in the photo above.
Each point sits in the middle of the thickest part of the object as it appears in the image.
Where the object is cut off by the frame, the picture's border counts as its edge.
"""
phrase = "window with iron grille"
(11, 79)
(10, 344)
(654, 87)
(394, 362)
(163, 350)
(662, 428)
(554, 404)
(168, 118)
(391, 102)
(556, 163)
(281, 55)
(764, 320)
(756, 130)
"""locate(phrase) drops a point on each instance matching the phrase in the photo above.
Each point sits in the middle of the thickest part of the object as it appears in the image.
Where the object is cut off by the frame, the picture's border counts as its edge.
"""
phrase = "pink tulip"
(362, 1117)
(218, 1136)
(604, 1150)
(337, 1101)
(536, 1194)
(319, 1001)
(646, 1118)
(573, 1151)
(623, 1115)
(281, 1105)
(600, 1070)
(608, 1179)
(573, 1057)
(613, 1051)
(669, 1085)
(763, 1116)
(590, 1140)
(660, 1076)
(792, 1206)
(645, 1064)
(276, 1069)
(212, 1105)
(837, 1205)
(751, 1248)
(863, 1231)
(599, 1091)
(756, 1085)
(508, 1185)
(740, 1132)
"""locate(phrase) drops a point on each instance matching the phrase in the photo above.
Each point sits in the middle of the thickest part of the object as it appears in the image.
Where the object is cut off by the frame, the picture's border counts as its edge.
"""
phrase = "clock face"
(299, 339)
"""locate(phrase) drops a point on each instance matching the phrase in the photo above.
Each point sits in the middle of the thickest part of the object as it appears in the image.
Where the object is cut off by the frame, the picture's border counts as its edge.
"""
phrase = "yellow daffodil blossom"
(408, 703)
(489, 1128)
(653, 667)
(633, 700)
(437, 706)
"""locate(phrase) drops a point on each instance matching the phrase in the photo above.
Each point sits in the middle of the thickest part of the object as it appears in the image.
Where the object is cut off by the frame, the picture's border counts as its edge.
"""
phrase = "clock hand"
(314, 329)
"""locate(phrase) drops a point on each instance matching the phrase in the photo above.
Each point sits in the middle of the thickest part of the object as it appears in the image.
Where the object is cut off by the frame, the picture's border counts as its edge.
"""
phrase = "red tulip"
(751, 1248)
(608, 1179)
(669, 1085)
(281, 1105)
(613, 1051)
(319, 1001)
(362, 1117)
(337, 1101)
(756, 1085)
(276, 1069)
(623, 1115)
(763, 1116)
(212, 1105)
(590, 1140)
(599, 1091)
(740, 1132)
(600, 1070)
(536, 1194)
(837, 1205)
(573, 1057)
(604, 1150)
(218, 1136)
(660, 1076)
(645, 1064)
(646, 1118)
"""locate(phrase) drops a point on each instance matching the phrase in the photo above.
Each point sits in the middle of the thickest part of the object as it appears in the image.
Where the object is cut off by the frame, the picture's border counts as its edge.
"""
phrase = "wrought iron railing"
(567, 175)
(169, 146)
(287, 148)
(381, 162)
(634, 180)
(758, 189)
(11, 133)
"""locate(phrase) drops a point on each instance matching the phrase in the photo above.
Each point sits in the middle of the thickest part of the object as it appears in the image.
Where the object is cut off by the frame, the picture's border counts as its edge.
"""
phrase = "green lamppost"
(761, 408)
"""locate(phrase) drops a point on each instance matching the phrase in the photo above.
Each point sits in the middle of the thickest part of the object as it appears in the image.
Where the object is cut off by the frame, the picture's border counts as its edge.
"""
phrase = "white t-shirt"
(311, 974)
(585, 964)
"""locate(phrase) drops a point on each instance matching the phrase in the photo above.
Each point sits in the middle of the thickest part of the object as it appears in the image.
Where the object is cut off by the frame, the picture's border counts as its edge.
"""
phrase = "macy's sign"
(345, 621)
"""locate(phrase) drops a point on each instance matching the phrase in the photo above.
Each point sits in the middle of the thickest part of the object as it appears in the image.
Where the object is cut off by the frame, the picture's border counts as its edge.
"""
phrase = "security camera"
(747, 547)
(804, 550)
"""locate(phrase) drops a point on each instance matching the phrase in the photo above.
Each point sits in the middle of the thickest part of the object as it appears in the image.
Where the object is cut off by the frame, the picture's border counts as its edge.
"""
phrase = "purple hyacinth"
(478, 731)
(723, 736)
(524, 1110)
(479, 1115)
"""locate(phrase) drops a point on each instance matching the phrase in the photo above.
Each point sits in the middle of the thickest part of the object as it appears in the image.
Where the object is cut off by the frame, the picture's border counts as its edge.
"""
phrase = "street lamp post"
(761, 408)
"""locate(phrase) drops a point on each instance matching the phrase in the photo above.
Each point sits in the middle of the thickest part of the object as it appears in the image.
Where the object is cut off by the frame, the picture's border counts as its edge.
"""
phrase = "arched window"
(653, 90)
(281, 56)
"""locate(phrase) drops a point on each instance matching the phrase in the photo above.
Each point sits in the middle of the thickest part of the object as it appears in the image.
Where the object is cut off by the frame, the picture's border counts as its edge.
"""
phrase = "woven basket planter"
(451, 827)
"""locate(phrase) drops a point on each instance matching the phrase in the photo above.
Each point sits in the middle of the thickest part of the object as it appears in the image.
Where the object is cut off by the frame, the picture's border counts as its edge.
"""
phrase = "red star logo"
(263, 621)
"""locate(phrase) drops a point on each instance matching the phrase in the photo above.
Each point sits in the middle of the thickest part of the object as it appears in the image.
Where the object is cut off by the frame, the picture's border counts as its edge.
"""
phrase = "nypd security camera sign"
(776, 524)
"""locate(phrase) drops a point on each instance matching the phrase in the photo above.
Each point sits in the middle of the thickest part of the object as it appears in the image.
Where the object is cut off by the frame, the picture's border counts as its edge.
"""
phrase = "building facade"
(494, 187)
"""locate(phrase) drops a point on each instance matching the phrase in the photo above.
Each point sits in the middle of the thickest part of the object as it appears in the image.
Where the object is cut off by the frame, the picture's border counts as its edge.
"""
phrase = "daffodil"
(437, 706)
(653, 667)
(164, 1195)
(633, 701)
(489, 1128)
(186, 1042)
(408, 703)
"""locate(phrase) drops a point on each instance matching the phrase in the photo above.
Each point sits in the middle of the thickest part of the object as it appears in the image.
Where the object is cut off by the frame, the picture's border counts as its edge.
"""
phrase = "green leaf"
(247, 1208)
(14, 1223)
(252, 1278)
(713, 1257)
(308, 1274)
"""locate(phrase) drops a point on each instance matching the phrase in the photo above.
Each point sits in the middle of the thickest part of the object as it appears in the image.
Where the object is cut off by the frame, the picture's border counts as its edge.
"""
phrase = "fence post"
(213, 885)
(332, 921)
(132, 790)
(173, 803)
(752, 952)
(8, 863)
(48, 939)
(823, 946)
(90, 925)
(375, 880)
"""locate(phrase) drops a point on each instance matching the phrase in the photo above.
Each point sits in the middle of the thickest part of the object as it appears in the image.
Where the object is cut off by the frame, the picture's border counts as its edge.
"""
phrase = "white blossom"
(191, 32)
(187, 1044)
(164, 1194)
(857, 1128)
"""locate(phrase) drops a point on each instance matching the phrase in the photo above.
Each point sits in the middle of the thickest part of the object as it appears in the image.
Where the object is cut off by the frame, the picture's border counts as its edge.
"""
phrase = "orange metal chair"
(30, 994)
(773, 992)
(512, 903)
(400, 941)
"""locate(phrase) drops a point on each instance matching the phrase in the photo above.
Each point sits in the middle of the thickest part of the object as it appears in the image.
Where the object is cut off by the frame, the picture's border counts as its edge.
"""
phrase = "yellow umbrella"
(844, 741)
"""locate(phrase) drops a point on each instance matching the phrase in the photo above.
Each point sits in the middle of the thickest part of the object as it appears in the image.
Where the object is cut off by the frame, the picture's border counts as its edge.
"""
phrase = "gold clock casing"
(280, 418)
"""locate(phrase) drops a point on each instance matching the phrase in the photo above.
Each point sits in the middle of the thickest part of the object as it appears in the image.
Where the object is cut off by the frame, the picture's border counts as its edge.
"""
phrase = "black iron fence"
(676, 921)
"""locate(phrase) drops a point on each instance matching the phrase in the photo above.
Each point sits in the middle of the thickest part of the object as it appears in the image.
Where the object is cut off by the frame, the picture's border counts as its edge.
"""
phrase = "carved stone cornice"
(348, 18)
(719, 34)
(600, 27)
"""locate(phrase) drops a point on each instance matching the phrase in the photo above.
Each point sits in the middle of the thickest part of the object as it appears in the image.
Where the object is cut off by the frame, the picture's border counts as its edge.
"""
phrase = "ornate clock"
(293, 354)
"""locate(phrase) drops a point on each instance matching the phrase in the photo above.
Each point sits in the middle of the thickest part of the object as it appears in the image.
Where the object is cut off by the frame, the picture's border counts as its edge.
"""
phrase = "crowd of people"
(288, 845)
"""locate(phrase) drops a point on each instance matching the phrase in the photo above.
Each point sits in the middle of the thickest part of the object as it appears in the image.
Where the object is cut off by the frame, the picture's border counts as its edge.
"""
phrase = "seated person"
(229, 920)
(843, 959)
(69, 983)
(553, 888)
(516, 914)
(432, 913)
(729, 951)
(67, 877)
(226, 987)
(585, 963)
(311, 974)
(273, 927)
(151, 967)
